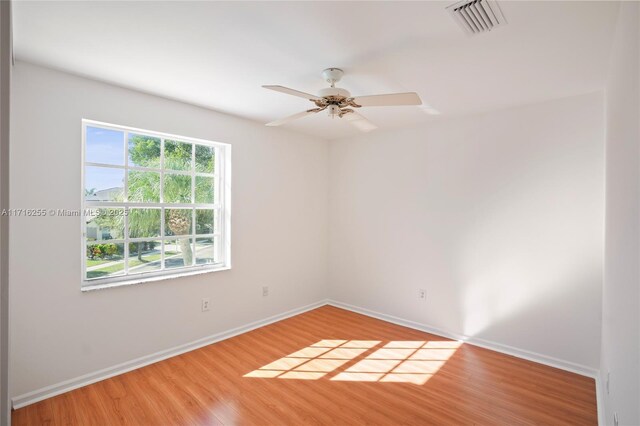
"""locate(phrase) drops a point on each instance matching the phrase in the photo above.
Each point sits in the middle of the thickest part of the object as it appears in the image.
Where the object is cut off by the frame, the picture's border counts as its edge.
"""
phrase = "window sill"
(86, 286)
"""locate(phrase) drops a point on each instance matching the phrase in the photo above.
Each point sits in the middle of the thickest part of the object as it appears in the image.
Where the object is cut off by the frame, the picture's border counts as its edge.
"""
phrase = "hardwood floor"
(331, 367)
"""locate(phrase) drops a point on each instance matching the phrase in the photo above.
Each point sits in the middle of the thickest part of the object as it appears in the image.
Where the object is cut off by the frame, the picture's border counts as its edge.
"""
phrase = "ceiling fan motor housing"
(334, 92)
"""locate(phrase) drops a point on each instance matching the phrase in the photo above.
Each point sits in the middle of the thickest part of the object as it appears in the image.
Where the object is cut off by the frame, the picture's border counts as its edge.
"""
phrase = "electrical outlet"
(205, 304)
(265, 291)
(608, 382)
(615, 419)
(422, 294)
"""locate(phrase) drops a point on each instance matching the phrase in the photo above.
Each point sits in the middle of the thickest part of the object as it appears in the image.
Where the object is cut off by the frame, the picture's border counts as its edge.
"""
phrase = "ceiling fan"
(339, 102)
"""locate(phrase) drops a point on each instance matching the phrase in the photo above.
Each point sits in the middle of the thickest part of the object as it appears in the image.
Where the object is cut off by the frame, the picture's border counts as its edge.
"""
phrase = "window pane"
(144, 151)
(104, 260)
(205, 159)
(177, 155)
(143, 186)
(144, 256)
(205, 221)
(144, 223)
(104, 146)
(104, 224)
(103, 184)
(141, 193)
(177, 188)
(177, 222)
(204, 190)
(178, 253)
(205, 251)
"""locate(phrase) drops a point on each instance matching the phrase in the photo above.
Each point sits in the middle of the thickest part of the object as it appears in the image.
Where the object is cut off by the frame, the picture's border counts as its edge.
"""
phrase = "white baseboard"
(494, 346)
(87, 379)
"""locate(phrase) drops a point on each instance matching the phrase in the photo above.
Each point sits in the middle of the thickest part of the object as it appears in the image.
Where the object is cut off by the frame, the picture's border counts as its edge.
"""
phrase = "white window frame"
(221, 207)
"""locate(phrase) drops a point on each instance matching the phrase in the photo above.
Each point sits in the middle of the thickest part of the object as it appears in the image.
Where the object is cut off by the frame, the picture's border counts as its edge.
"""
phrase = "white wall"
(621, 290)
(279, 227)
(498, 216)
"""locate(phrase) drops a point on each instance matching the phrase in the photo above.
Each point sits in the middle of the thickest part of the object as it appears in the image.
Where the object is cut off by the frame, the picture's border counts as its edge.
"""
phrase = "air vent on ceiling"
(477, 16)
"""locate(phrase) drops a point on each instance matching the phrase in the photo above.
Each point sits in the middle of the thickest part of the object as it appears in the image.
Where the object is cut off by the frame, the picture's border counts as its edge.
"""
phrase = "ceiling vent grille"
(477, 16)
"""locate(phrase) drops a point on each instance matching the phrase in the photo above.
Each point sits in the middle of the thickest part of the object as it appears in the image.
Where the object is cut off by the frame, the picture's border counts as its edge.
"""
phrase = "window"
(155, 205)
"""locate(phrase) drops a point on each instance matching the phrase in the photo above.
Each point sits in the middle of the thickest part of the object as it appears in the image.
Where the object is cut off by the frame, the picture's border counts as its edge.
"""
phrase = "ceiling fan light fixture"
(334, 110)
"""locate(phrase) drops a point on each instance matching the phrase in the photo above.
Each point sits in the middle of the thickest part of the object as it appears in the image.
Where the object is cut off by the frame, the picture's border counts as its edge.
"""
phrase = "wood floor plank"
(329, 366)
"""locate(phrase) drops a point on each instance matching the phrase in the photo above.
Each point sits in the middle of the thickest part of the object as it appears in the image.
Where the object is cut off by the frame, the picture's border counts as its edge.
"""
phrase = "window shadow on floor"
(412, 361)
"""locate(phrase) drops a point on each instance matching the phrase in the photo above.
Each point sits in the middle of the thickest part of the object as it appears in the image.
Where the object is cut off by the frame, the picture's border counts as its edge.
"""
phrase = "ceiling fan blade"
(391, 99)
(293, 92)
(285, 120)
(360, 122)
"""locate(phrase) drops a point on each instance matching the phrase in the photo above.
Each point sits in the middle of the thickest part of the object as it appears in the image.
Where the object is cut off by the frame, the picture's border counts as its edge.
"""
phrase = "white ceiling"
(218, 54)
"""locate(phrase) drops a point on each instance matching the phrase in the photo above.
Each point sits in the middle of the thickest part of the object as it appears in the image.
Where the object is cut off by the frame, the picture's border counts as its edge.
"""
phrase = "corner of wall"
(620, 348)
(6, 60)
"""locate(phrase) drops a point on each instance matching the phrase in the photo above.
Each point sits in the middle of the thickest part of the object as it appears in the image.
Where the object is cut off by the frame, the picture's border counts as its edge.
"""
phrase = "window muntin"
(155, 205)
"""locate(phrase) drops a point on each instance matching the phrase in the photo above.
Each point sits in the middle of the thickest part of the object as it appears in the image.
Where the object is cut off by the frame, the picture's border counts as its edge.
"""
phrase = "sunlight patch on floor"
(413, 361)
